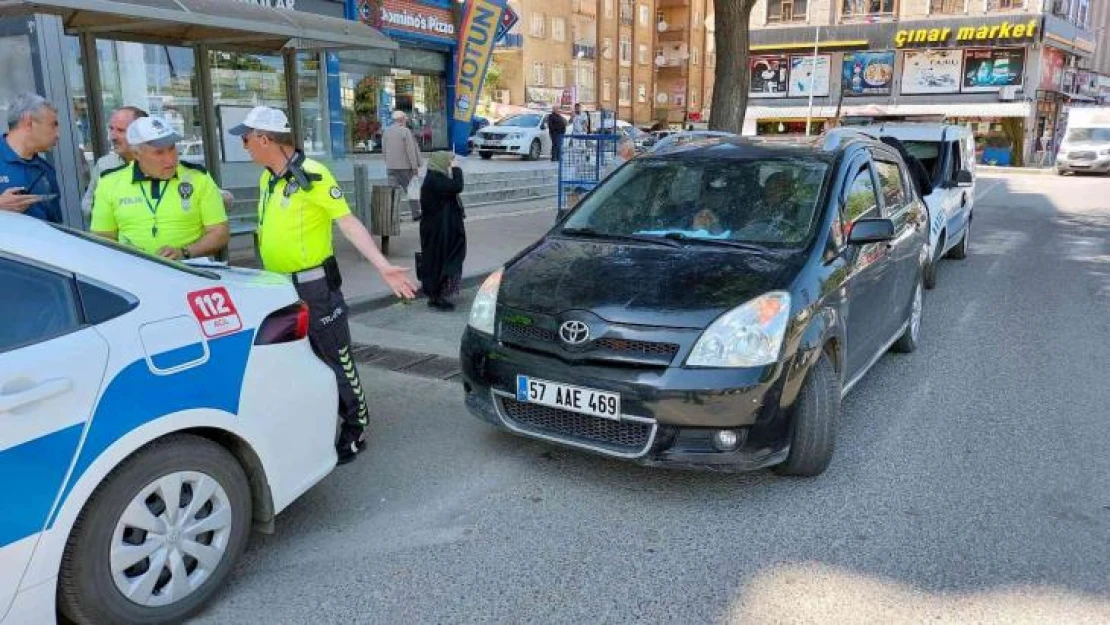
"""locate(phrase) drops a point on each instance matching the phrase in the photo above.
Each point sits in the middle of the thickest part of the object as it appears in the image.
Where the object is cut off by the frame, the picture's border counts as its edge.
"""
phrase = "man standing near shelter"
(402, 157)
(557, 129)
(158, 203)
(28, 183)
(120, 155)
(299, 200)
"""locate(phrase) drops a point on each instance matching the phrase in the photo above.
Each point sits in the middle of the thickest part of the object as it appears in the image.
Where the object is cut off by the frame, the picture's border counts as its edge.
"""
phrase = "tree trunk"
(731, 80)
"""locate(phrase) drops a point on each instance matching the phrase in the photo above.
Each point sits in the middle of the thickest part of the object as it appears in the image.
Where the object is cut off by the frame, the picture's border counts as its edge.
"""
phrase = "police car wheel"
(159, 536)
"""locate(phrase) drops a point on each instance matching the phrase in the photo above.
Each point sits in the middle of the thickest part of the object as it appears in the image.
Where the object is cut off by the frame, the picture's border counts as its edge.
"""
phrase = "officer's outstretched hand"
(14, 200)
(399, 281)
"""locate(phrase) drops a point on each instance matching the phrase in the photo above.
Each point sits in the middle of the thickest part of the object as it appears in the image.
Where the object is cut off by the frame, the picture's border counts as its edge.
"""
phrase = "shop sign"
(476, 41)
(990, 70)
(406, 17)
(867, 73)
(931, 71)
(768, 76)
(806, 70)
(1052, 69)
(1006, 32)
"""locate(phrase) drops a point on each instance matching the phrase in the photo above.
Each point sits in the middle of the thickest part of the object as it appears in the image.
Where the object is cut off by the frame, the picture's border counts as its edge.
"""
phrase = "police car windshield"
(127, 249)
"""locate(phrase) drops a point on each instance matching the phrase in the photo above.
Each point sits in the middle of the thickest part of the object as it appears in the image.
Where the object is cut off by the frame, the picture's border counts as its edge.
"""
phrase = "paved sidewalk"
(494, 235)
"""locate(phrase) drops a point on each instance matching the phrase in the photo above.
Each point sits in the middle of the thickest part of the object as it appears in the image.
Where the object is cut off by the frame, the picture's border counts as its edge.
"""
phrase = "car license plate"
(589, 401)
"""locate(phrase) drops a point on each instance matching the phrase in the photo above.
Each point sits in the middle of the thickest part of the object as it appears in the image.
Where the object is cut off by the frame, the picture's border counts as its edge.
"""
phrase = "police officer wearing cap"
(159, 203)
(299, 201)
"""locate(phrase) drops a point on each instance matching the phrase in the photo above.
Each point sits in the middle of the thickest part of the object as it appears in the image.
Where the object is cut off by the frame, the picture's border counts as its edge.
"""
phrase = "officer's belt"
(309, 275)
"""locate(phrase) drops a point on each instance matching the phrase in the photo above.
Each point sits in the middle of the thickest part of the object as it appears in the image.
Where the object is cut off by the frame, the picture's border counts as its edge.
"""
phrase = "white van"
(1086, 144)
(948, 153)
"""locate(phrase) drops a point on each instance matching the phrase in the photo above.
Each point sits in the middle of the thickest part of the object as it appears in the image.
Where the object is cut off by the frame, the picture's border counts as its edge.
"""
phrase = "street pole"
(813, 79)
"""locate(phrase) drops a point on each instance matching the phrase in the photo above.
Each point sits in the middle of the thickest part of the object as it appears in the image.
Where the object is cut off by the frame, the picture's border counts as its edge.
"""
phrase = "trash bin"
(385, 219)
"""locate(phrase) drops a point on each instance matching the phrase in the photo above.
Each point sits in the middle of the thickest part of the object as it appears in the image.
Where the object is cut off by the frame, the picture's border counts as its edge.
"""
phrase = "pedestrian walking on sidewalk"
(442, 231)
(402, 158)
(299, 201)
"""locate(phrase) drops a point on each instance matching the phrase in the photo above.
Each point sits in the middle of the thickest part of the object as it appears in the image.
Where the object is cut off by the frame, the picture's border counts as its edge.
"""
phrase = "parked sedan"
(151, 414)
(524, 135)
(706, 306)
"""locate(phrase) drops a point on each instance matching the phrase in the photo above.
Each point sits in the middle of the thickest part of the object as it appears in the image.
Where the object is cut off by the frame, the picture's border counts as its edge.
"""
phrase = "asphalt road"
(971, 483)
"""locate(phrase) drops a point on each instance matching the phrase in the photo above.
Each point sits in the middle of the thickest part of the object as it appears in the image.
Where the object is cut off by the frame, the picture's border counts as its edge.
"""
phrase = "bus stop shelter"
(201, 25)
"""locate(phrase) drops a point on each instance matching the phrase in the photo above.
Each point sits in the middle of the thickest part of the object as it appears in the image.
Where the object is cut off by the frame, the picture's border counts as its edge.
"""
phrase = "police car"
(151, 414)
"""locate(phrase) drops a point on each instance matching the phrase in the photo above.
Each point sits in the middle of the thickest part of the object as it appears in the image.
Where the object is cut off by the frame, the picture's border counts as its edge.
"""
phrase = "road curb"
(1036, 171)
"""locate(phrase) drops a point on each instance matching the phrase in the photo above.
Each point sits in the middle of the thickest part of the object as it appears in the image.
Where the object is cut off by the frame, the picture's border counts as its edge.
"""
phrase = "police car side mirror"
(964, 178)
(867, 231)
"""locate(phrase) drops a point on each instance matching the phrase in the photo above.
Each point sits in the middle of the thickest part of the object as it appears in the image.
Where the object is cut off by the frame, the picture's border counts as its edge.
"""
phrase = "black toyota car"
(706, 306)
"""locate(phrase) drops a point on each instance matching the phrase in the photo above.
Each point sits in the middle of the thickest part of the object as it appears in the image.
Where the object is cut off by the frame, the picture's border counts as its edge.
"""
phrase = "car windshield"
(127, 249)
(763, 202)
(1100, 135)
(522, 121)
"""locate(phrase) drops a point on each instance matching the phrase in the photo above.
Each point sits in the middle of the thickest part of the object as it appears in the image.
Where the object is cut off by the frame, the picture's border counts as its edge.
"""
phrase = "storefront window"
(159, 79)
(376, 83)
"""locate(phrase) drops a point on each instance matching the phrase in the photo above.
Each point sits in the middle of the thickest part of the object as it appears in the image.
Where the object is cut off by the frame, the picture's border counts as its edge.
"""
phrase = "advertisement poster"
(803, 73)
(867, 73)
(1052, 69)
(932, 71)
(990, 70)
(768, 76)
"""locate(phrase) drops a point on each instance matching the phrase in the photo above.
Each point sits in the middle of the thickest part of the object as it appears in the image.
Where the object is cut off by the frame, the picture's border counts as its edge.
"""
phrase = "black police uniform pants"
(330, 335)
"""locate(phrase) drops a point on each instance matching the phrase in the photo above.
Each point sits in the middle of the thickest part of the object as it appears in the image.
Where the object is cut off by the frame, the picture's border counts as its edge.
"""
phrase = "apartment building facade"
(977, 62)
(594, 52)
(685, 60)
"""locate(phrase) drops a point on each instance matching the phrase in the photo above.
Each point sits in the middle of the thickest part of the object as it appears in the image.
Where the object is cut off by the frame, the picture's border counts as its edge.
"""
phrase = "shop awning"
(789, 112)
(225, 24)
(962, 109)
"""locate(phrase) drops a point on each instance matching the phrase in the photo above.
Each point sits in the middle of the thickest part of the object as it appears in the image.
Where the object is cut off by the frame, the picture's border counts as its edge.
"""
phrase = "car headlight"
(484, 310)
(748, 336)
(1104, 152)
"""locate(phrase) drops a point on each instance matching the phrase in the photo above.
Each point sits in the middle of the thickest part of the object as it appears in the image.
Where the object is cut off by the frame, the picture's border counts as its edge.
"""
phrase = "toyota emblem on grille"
(574, 332)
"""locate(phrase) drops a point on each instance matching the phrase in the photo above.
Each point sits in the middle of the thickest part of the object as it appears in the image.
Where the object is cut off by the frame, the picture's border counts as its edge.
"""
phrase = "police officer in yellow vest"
(158, 203)
(299, 200)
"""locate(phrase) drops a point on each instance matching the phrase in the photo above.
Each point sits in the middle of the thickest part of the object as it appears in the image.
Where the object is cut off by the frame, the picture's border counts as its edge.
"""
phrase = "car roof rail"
(836, 138)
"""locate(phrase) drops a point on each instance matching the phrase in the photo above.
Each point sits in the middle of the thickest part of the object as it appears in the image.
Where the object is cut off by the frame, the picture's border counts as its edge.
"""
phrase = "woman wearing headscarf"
(442, 233)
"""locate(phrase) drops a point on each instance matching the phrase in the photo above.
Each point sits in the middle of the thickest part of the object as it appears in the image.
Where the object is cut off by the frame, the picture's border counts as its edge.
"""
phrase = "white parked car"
(948, 153)
(151, 414)
(524, 135)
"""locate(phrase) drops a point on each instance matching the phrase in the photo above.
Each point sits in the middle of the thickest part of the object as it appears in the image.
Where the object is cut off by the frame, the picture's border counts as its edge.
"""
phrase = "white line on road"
(980, 193)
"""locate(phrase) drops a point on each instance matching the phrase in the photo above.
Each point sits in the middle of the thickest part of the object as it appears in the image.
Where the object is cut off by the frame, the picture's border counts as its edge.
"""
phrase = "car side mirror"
(867, 231)
(964, 178)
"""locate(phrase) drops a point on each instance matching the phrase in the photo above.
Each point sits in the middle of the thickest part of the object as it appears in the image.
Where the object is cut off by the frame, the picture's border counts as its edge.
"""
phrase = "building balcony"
(666, 4)
(674, 33)
(586, 50)
(673, 69)
(1002, 6)
(587, 8)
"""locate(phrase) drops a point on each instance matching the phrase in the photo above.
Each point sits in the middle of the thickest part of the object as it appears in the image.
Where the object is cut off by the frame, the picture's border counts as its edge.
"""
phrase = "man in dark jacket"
(922, 181)
(556, 127)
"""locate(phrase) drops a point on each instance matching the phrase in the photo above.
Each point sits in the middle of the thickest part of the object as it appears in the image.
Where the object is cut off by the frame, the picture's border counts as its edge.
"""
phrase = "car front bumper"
(513, 146)
(669, 415)
(1100, 165)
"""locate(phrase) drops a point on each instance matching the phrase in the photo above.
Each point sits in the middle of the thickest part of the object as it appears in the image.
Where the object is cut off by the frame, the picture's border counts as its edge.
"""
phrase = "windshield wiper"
(594, 234)
(742, 245)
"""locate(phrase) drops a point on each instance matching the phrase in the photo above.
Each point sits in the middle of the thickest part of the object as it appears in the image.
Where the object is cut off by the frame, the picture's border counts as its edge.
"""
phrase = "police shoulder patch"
(200, 168)
(336, 193)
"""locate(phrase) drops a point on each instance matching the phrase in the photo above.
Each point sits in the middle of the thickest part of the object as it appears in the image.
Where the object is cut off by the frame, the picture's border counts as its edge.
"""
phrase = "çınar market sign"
(1005, 32)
